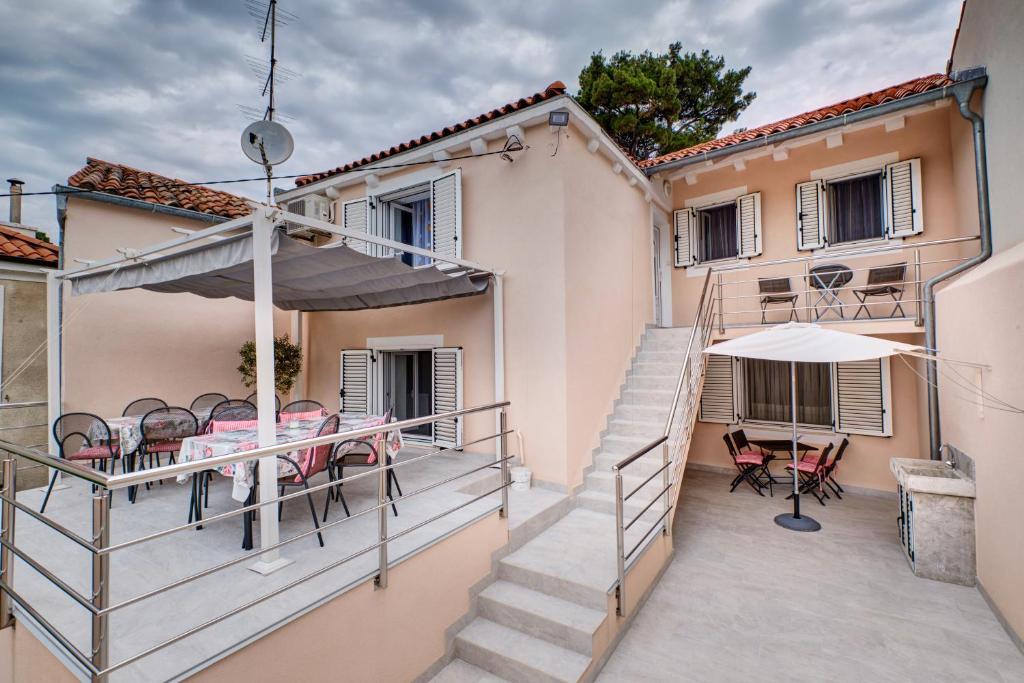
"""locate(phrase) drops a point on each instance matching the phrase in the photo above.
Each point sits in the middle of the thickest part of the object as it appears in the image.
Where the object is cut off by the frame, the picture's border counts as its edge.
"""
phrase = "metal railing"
(740, 301)
(674, 442)
(97, 603)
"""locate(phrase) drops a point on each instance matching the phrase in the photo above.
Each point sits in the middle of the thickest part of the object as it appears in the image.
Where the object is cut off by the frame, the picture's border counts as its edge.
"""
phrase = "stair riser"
(645, 398)
(655, 369)
(647, 356)
(666, 383)
(607, 485)
(644, 428)
(625, 447)
(631, 411)
(607, 506)
(536, 625)
(678, 346)
(498, 664)
(554, 585)
(644, 467)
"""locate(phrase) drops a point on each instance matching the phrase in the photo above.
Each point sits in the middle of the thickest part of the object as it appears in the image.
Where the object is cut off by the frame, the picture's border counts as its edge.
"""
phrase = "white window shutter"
(810, 215)
(748, 221)
(717, 403)
(446, 216)
(355, 215)
(904, 214)
(685, 222)
(447, 395)
(357, 381)
(863, 397)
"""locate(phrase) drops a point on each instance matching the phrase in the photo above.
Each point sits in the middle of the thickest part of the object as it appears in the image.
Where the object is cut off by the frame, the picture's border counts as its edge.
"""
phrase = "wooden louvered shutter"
(716, 400)
(863, 397)
(685, 222)
(810, 215)
(357, 381)
(446, 216)
(355, 215)
(903, 211)
(748, 220)
(447, 395)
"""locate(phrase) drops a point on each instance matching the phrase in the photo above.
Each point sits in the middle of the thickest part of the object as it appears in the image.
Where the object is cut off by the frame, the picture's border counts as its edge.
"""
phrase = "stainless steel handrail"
(96, 662)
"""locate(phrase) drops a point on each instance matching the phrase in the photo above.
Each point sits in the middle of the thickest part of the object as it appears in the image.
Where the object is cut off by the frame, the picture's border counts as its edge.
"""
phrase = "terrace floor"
(744, 599)
(147, 566)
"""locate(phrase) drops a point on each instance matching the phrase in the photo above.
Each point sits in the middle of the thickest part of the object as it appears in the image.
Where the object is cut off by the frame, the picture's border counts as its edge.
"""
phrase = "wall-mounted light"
(558, 119)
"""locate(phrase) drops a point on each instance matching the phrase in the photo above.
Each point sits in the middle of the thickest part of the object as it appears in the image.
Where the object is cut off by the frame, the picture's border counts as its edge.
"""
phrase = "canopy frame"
(262, 221)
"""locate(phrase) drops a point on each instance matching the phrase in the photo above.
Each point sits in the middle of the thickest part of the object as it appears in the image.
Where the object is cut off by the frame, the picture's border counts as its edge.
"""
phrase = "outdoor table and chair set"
(827, 282)
(215, 425)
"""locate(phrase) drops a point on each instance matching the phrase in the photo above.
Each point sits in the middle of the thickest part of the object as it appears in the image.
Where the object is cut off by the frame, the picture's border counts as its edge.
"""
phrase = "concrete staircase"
(549, 616)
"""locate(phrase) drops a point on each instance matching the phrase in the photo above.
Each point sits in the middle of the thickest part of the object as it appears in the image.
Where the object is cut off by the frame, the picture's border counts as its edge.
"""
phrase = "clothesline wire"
(1010, 409)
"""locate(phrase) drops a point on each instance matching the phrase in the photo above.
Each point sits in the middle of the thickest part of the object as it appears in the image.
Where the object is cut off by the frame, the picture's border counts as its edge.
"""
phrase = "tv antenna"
(266, 141)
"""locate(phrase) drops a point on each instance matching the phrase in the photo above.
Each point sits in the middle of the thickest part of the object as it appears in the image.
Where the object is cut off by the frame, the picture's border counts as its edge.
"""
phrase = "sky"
(157, 84)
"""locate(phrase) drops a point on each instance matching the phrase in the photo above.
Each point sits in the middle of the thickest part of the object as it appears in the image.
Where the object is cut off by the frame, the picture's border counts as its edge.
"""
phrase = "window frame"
(698, 210)
(882, 198)
(385, 204)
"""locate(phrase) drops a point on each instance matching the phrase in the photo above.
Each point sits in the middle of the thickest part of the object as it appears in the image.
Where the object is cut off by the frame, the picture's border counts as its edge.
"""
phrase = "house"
(25, 257)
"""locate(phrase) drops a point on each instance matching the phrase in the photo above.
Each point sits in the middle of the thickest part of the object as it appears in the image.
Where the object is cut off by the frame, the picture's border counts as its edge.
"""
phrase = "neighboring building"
(25, 256)
(124, 346)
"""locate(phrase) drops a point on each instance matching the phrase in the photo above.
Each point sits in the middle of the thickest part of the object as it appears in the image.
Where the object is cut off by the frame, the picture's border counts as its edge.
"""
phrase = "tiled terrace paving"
(142, 568)
(744, 599)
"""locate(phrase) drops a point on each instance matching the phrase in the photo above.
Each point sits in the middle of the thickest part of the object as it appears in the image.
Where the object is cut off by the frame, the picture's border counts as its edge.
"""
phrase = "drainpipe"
(963, 92)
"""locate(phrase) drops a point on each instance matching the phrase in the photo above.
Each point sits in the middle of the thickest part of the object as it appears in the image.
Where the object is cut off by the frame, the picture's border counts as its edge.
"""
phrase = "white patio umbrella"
(807, 343)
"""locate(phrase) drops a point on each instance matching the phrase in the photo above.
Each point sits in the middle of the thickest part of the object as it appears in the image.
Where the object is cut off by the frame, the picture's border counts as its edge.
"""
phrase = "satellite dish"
(268, 143)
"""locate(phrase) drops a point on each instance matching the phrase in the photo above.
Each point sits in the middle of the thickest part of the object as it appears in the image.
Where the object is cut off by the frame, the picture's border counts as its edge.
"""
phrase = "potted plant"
(287, 363)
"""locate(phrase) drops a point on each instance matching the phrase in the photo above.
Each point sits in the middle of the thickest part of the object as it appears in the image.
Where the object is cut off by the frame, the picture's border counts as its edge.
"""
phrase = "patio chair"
(883, 281)
(355, 457)
(206, 401)
(141, 406)
(750, 466)
(81, 437)
(314, 461)
(830, 469)
(811, 470)
(251, 398)
(776, 290)
(302, 410)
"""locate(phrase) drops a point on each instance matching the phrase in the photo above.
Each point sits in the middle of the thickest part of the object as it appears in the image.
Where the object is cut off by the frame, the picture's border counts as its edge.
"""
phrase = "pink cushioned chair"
(313, 462)
(751, 467)
(811, 470)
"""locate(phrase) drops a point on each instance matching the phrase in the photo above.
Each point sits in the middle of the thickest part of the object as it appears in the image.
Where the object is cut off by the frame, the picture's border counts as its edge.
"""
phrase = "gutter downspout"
(963, 92)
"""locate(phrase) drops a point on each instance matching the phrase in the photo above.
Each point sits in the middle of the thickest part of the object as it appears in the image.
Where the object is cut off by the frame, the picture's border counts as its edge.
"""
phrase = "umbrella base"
(801, 523)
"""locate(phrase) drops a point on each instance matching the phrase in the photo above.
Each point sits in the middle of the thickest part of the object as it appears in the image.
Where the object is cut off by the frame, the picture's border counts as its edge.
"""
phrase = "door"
(656, 269)
(411, 388)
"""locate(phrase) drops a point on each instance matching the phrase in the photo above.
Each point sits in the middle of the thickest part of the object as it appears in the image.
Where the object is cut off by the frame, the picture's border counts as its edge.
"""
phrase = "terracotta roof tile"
(124, 181)
(16, 245)
(554, 90)
(872, 99)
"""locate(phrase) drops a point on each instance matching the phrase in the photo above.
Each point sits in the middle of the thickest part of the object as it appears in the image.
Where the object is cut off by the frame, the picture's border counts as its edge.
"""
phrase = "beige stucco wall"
(125, 345)
(573, 241)
(866, 462)
(24, 659)
(980, 316)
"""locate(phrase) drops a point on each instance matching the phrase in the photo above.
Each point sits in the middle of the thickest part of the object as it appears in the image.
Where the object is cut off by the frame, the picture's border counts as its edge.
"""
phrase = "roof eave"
(878, 110)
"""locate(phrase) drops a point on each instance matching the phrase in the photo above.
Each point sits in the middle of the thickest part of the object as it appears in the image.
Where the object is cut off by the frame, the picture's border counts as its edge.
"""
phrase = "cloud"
(156, 84)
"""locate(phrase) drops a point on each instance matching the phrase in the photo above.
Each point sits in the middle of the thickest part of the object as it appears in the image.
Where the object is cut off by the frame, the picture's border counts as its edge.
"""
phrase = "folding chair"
(883, 281)
(830, 469)
(750, 465)
(776, 290)
(811, 471)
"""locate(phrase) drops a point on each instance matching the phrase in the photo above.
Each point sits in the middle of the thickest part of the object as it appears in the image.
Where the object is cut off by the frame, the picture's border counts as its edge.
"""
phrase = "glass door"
(411, 388)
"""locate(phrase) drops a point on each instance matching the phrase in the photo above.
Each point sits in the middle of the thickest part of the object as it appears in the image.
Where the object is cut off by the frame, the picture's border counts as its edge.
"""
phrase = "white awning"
(809, 343)
(305, 278)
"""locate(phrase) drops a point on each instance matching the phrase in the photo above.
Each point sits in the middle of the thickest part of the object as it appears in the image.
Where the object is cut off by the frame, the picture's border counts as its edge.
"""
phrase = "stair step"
(632, 411)
(623, 445)
(517, 656)
(656, 368)
(666, 344)
(661, 382)
(604, 481)
(603, 502)
(644, 466)
(649, 356)
(566, 624)
(647, 428)
(459, 671)
(660, 398)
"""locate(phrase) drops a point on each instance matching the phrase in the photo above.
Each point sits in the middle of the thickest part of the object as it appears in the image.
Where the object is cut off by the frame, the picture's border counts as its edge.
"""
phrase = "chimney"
(15, 199)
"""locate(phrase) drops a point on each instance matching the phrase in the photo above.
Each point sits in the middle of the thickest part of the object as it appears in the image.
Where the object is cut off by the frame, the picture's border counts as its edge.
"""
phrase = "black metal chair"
(251, 398)
(830, 469)
(206, 401)
(811, 473)
(303, 406)
(233, 409)
(162, 431)
(82, 437)
(362, 453)
(316, 460)
(883, 281)
(776, 290)
(749, 465)
(141, 406)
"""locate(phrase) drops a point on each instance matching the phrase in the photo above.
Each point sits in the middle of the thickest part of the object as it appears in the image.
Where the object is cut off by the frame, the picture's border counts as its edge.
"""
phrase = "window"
(717, 233)
(768, 389)
(855, 209)
(409, 221)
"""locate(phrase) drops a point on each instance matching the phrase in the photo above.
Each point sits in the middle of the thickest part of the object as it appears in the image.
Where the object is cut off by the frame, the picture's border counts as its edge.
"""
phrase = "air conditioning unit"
(313, 206)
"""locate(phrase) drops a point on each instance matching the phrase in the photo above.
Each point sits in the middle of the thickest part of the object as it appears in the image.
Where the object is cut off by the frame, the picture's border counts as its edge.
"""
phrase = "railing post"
(9, 469)
(100, 580)
(807, 292)
(503, 450)
(382, 520)
(665, 479)
(918, 293)
(620, 548)
(721, 311)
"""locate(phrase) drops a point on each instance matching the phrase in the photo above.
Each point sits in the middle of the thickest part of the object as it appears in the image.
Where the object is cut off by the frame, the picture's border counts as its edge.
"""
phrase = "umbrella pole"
(795, 522)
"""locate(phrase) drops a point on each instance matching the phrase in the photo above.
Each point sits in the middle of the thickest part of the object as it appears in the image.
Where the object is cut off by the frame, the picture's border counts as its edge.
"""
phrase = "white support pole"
(54, 399)
(498, 293)
(263, 307)
(299, 388)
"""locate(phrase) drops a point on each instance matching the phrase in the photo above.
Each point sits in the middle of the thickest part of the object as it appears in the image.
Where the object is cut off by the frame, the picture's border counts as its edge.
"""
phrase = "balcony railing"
(750, 294)
(97, 602)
